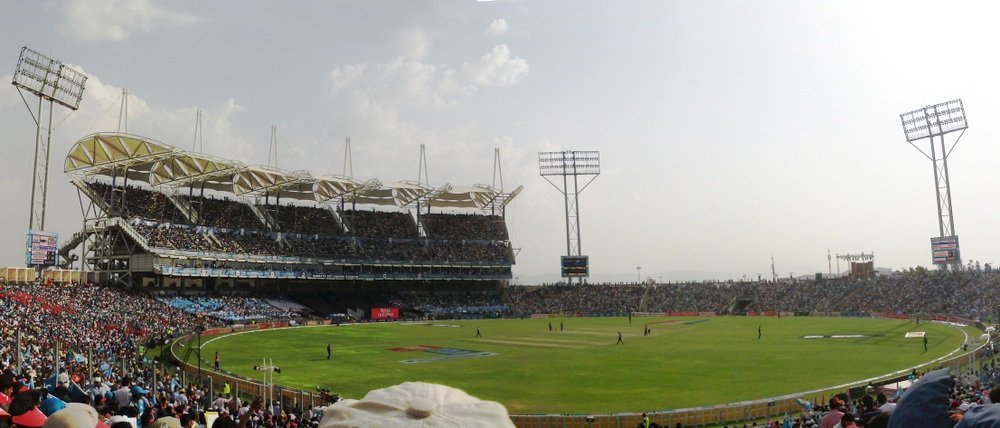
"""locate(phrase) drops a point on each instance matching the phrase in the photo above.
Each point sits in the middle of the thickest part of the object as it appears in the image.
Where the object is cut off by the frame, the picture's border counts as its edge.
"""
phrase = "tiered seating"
(231, 227)
(306, 220)
(465, 226)
(380, 224)
(134, 201)
(225, 213)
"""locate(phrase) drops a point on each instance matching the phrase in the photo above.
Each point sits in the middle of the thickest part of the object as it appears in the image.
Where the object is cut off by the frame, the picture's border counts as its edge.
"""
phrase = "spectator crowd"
(969, 293)
(232, 227)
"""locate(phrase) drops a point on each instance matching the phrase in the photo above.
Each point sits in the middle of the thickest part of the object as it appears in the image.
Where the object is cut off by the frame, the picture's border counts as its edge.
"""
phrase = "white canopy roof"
(158, 164)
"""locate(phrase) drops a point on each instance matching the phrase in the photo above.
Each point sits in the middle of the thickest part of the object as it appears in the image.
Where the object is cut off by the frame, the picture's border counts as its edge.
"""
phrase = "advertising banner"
(385, 313)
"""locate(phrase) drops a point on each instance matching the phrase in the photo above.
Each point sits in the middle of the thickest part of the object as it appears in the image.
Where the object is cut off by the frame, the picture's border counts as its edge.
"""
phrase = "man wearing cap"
(833, 417)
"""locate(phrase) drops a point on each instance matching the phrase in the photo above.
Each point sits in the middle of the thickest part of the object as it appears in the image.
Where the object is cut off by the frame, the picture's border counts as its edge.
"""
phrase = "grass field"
(685, 362)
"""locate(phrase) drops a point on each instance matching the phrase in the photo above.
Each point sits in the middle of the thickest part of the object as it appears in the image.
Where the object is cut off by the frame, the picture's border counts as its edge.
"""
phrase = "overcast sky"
(729, 130)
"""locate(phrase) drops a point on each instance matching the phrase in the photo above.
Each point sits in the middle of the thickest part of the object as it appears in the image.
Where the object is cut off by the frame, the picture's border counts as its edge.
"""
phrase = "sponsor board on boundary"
(673, 314)
(385, 313)
(762, 314)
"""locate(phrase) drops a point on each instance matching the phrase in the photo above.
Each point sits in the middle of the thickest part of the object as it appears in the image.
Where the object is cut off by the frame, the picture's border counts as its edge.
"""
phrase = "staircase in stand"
(336, 217)
(185, 207)
(265, 217)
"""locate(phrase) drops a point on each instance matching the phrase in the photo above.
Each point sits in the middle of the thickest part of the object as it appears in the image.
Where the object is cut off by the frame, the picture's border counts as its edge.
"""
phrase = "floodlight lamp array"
(935, 120)
(569, 162)
(49, 79)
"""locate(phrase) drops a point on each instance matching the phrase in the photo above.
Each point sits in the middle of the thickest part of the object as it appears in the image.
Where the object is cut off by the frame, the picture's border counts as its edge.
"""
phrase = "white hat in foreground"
(416, 404)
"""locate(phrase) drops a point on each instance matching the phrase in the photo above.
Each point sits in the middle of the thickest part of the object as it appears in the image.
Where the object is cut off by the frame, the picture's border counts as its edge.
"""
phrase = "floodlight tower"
(569, 165)
(50, 80)
(937, 121)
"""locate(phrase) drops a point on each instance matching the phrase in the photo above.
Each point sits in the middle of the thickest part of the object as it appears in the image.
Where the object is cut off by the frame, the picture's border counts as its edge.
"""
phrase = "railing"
(300, 274)
(127, 228)
(240, 386)
(770, 408)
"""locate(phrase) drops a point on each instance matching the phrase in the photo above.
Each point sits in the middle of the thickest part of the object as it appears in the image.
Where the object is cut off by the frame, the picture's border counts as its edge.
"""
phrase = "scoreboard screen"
(575, 266)
(945, 250)
(41, 248)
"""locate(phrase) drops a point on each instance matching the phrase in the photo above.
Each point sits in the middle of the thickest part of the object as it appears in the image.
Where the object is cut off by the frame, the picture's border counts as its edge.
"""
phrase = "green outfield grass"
(685, 362)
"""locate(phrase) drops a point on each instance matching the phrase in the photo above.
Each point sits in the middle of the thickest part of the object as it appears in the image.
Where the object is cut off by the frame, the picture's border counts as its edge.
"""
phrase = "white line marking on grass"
(548, 340)
(529, 344)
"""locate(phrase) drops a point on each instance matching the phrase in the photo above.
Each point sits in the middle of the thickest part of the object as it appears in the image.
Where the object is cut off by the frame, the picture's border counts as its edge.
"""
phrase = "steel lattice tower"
(935, 122)
(571, 165)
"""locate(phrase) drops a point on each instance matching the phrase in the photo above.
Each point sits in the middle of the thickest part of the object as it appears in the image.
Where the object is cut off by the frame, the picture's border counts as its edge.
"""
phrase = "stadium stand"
(164, 218)
(965, 293)
(133, 201)
(380, 224)
(465, 227)
(230, 230)
(307, 220)
(224, 213)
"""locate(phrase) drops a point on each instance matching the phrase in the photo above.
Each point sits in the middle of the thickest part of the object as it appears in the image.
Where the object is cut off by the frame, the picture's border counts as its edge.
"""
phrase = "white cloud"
(496, 68)
(497, 28)
(393, 106)
(414, 44)
(343, 76)
(407, 82)
(100, 109)
(116, 20)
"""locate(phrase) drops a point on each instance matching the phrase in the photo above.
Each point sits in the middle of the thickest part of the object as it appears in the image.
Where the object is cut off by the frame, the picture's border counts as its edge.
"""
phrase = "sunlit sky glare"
(729, 131)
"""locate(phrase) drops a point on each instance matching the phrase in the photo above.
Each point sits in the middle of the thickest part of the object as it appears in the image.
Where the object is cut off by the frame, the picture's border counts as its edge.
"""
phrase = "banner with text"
(385, 313)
